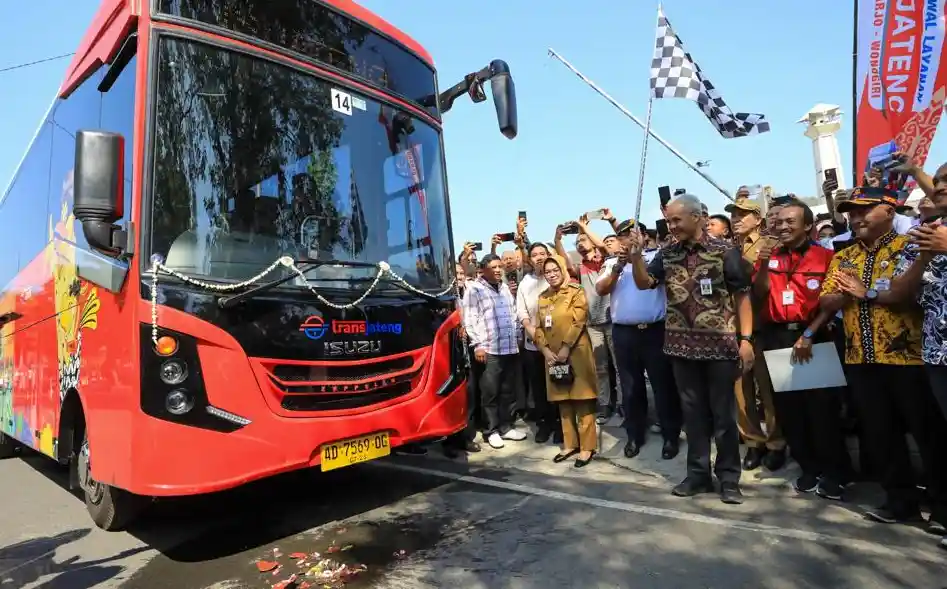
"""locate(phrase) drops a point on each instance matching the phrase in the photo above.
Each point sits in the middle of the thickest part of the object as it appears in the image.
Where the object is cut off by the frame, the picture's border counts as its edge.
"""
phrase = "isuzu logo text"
(353, 348)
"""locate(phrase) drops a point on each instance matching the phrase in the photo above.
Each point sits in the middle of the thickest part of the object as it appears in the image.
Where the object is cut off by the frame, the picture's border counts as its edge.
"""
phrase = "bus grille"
(335, 386)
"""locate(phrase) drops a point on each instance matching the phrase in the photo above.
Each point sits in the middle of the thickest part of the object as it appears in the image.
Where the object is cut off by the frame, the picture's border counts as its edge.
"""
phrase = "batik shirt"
(933, 300)
(875, 333)
(700, 280)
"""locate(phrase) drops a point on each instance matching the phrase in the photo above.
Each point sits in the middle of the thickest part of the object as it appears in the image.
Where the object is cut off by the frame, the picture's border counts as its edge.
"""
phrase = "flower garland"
(384, 270)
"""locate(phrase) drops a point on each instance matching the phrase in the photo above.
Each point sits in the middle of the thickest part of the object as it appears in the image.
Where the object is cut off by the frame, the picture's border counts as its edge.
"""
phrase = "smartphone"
(597, 215)
(506, 236)
(664, 193)
(680, 191)
(661, 226)
(831, 175)
(522, 215)
(570, 228)
(477, 247)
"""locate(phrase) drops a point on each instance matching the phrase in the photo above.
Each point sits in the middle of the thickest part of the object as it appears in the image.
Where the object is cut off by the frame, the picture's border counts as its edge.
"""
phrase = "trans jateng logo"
(315, 328)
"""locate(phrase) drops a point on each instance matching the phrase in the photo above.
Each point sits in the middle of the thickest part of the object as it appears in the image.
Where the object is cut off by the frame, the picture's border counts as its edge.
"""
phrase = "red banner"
(900, 87)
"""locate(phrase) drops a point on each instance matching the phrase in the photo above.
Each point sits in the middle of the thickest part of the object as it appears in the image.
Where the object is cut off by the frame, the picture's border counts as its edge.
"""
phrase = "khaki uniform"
(562, 318)
(751, 391)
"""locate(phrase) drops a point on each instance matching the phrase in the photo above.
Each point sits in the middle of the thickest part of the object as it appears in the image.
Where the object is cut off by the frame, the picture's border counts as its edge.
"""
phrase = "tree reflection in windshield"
(252, 162)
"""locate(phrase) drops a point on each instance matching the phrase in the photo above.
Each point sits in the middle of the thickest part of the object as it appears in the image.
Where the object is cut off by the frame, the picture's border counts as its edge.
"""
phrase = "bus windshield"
(255, 160)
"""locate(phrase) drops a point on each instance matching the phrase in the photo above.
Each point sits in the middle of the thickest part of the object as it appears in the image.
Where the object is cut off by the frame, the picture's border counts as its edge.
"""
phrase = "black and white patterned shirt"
(933, 299)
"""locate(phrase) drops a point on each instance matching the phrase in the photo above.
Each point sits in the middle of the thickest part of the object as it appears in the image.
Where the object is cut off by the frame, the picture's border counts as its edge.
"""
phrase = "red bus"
(227, 253)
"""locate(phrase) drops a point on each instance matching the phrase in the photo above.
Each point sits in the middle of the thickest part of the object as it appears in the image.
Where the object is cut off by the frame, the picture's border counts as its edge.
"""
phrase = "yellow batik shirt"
(875, 333)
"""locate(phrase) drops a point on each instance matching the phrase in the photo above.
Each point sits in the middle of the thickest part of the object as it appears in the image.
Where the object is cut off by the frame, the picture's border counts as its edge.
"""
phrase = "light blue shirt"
(629, 304)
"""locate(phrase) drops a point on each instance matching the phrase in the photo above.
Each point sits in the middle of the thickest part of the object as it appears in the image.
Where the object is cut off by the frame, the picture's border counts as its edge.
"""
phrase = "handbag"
(561, 374)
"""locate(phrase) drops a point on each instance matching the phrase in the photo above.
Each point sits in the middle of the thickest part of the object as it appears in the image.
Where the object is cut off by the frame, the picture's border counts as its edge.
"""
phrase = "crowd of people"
(566, 339)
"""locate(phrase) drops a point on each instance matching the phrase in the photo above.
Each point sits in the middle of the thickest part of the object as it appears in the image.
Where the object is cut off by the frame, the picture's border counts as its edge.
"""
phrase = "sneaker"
(885, 515)
(601, 419)
(514, 435)
(807, 483)
(829, 489)
(935, 527)
(495, 440)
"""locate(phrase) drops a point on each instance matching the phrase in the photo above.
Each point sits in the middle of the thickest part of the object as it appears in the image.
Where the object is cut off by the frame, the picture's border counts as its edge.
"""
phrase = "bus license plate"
(349, 452)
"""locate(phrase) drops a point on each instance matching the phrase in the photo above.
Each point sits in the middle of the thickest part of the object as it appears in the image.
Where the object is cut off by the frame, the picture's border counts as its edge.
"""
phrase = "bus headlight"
(173, 372)
(179, 402)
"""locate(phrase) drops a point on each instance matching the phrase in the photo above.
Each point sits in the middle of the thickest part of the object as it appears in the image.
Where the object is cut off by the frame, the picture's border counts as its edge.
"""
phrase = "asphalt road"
(411, 522)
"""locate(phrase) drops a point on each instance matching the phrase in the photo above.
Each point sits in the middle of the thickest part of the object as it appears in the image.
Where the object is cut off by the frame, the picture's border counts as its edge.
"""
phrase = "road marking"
(781, 532)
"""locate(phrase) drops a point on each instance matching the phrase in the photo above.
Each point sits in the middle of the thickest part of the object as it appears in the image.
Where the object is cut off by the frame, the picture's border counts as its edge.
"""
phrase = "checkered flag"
(675, 74)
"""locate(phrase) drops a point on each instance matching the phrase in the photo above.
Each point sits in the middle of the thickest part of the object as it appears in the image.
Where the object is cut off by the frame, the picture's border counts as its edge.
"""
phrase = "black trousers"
(710, 411)
(638, 350)
(889, 399)
(810, 420)
(474, 414)
(498, 392)
(547, 414)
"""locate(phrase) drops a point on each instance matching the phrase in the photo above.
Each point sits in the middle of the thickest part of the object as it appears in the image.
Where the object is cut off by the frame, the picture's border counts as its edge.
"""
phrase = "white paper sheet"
(824, 370)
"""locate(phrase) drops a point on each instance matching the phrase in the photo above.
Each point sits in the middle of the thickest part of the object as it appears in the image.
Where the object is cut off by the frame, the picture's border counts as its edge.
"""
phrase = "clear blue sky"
(575, 152)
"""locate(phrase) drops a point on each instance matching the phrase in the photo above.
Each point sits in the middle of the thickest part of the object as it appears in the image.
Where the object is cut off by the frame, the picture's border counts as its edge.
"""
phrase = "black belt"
(788, 326)
(641, 326)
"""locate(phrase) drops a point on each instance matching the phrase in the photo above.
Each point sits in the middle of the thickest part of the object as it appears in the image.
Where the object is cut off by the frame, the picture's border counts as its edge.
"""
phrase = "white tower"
(822, 123)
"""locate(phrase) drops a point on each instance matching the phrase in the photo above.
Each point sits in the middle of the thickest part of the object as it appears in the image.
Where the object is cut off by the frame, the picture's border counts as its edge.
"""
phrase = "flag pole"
(637, 121)
(644, 158)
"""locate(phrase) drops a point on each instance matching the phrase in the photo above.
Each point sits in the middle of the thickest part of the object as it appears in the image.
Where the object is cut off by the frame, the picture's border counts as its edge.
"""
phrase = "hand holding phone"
(597, 215)
(570, 228)
(504, 237)
(476, 246)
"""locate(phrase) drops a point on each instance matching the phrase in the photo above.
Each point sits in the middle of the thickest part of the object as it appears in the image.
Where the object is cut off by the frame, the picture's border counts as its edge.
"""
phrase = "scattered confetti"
(347, 547)
(401, 554)
(298, 555)
(277, 553)
(342, 530)
(265, 566)
(332, 549)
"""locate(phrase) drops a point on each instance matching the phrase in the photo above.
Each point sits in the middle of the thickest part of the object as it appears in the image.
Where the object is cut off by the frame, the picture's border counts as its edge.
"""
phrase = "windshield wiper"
(419, 293)
(233, 300)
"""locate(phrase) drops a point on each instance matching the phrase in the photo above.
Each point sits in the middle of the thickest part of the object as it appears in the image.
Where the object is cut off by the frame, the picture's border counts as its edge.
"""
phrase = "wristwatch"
(871, 294)
(807, 333)
(744, 338)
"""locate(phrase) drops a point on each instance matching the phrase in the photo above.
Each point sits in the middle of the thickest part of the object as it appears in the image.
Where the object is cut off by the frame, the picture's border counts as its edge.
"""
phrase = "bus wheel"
(111, 508)
(8, 446)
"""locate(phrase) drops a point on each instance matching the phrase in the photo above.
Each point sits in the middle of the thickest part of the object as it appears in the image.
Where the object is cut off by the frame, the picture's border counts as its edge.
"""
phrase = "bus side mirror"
(504, 97)
(99, 189)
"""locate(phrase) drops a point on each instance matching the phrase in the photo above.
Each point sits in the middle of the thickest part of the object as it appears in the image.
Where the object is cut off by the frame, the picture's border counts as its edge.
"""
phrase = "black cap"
(625, 226)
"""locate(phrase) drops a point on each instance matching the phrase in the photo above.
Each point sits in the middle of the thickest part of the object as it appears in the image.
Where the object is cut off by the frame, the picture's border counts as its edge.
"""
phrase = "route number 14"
(341, 102)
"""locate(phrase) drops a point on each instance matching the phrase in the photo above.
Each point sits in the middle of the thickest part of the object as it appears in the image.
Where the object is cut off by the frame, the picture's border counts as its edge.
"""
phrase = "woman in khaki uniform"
(562, 337)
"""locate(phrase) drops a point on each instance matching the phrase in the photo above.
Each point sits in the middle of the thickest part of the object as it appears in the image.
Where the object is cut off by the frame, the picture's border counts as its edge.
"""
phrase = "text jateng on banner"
(899, 86)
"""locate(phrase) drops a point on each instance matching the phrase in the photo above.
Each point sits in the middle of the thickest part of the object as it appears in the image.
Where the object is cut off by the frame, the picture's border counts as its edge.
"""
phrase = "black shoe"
(579, 463)
(774, 460)
(411, 450)
(563, 456)
(601, 418)
(632, 449)
(450, 451)
(671, 449)
(543, 434)
(557, 437)
(886, 515)
(690, 487)
(807, 483)
(472, 447)
(730, 493)
(829, 489)
(753, 458)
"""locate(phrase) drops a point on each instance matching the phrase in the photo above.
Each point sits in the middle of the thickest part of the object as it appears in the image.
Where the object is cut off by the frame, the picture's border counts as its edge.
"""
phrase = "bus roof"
(114, 18)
